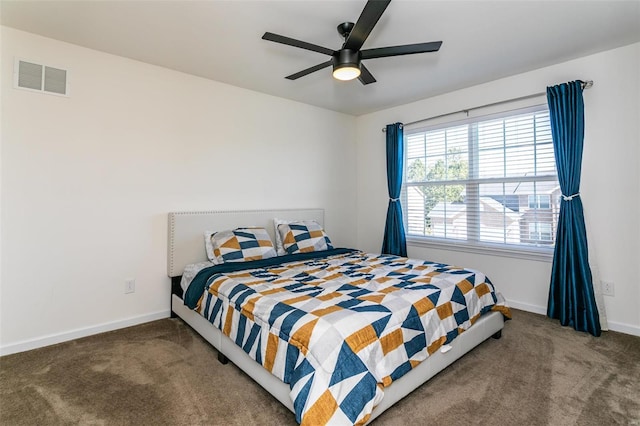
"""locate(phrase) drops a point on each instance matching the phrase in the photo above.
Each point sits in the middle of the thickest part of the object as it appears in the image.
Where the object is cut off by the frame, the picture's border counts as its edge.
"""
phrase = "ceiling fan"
(347, 61)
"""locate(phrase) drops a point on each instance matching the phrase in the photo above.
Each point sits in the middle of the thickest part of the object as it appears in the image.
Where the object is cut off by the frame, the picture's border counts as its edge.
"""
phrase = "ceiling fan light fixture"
(346, 72)
(346, 65)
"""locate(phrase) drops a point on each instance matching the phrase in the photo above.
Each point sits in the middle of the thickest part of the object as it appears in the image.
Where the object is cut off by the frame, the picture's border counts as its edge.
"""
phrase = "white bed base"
(186, 245)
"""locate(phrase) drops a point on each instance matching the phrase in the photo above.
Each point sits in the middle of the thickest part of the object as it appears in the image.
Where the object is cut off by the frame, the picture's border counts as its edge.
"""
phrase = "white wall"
(87, 181)
(610, 179)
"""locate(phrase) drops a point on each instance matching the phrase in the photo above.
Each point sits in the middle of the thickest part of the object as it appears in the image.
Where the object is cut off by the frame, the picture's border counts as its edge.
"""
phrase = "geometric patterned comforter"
(339, 328)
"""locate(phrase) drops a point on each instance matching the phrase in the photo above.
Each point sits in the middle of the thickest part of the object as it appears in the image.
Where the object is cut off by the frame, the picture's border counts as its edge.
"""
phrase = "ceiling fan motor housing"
(346, 57)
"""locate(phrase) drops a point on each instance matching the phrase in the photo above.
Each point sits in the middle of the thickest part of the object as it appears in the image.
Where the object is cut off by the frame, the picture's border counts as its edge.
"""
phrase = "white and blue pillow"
(242, 245)
(208, 246)
(303, 236)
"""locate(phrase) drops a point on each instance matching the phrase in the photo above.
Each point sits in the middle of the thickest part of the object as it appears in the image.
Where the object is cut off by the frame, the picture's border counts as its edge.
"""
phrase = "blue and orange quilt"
(341, 325)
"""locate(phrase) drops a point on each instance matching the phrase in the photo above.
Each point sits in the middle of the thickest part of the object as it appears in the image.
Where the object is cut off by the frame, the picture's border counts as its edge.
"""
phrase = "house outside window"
(487, 181)
(540, 231)
(539, 201)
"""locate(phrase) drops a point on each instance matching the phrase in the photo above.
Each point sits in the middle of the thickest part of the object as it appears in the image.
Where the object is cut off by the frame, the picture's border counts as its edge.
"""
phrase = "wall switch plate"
(607, 288)
(129, 285)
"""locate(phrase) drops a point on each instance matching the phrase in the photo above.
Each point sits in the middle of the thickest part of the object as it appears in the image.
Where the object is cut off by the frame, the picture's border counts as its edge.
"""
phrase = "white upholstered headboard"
(186, 230)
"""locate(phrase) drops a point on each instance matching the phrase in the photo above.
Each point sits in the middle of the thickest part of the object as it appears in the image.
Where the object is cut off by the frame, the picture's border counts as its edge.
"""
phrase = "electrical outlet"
(129, 285)
(607, 288)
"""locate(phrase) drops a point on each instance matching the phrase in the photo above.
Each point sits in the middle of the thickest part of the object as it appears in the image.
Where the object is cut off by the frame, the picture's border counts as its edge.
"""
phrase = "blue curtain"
(571, 297)
(394, 239)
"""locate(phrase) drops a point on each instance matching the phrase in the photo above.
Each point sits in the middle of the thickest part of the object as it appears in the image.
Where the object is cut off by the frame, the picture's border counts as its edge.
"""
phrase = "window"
(540, 231)
(488, 181)
(539, 201)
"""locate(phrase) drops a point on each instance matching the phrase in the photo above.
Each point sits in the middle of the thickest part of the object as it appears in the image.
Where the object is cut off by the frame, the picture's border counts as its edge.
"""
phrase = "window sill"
(535, 254)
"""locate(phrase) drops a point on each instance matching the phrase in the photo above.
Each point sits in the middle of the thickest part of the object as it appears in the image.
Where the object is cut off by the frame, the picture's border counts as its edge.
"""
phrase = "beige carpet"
(163, 373)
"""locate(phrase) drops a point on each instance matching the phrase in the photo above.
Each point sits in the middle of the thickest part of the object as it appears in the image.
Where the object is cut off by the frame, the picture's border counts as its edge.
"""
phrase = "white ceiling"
(221, 40)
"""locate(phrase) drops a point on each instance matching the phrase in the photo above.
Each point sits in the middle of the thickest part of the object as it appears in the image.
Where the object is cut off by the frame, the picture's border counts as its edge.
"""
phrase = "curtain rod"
(585, 85)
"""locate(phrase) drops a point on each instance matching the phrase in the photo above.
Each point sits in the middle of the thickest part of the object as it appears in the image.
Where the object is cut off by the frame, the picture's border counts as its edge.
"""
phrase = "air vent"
(41, 78)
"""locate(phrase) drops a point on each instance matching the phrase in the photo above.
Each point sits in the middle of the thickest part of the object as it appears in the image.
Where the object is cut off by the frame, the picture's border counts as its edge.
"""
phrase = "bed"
(357, 387)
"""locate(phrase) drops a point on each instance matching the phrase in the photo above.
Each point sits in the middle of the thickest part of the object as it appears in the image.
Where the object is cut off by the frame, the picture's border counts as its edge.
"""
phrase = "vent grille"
(55, 80)
(41, 78)
(30, 76)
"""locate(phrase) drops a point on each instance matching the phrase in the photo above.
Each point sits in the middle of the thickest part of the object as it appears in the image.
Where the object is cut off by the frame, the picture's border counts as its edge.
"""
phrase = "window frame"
(537, 253)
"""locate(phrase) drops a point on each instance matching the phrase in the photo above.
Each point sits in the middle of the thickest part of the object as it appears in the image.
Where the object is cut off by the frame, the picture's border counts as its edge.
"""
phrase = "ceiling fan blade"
(309, 70)
(407, 49)
(368, 19)
(296, 43)
(365, 75)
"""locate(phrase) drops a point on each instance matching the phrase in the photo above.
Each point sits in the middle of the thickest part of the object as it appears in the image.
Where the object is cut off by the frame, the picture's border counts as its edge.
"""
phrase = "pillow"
(242, 245)
(304, 236)
(208, 246)
(277, 222)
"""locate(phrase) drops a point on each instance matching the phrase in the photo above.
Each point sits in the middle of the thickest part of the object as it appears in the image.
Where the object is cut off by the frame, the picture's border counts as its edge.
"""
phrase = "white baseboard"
(634, 330)
(52, 339)
(542, 310)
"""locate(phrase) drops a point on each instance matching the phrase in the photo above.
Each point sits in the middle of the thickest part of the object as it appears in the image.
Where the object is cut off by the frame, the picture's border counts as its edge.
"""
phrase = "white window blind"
(485, 181)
